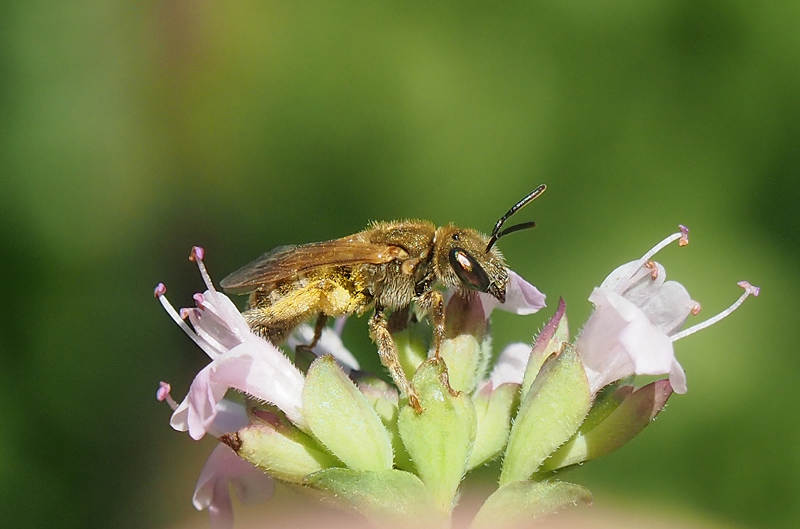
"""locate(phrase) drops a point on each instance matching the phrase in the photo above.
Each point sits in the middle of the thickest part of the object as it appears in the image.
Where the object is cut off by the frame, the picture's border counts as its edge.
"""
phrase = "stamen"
(651, 265)
(684, 240)
(184, 313)
(748, 291)
(198, 299)
(202, 344)
(338, 325)
(160, 290)
(696, 308)
(162, 394)
(682, 236)
(197, 254)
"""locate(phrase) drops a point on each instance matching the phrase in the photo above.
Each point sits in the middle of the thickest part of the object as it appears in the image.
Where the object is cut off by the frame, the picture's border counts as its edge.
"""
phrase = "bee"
(386, 267)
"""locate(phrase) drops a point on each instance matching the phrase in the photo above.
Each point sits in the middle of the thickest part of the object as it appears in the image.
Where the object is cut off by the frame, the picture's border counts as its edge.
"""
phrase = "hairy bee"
(386, 267)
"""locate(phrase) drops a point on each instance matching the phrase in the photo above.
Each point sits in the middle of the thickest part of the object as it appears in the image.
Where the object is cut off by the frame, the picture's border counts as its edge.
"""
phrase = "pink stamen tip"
(750, 289)
(684, 240)
(184, 313)
(198, 299)
(197, 253)
(160, 290)
(162, 393)
(696, 308)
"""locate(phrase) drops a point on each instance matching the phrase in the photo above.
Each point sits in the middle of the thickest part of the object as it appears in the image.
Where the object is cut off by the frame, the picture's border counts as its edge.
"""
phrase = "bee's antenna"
(496, 233)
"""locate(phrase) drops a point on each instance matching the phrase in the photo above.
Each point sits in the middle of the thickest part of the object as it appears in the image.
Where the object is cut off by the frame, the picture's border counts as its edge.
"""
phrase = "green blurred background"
(132, 130)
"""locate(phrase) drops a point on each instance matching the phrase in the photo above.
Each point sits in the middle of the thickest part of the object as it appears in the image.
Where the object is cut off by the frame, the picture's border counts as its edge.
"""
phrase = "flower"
(239, 359)
(521, 297)
(225, 470)
(636, 318)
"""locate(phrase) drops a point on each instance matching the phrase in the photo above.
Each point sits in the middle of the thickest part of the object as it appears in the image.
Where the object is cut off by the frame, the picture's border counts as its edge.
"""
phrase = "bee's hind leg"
(379, 332)
(318, 327)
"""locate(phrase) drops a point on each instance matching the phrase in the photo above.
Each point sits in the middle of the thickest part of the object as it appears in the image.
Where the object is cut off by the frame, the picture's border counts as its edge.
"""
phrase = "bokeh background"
(132, 130)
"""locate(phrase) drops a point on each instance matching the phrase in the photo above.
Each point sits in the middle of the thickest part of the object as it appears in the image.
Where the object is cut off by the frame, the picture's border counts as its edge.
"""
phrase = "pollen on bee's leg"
(749, 290)
(197, 254)
(163, 395)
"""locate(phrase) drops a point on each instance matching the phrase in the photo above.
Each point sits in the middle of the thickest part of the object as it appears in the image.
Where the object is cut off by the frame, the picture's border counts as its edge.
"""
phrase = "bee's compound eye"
(468, 270)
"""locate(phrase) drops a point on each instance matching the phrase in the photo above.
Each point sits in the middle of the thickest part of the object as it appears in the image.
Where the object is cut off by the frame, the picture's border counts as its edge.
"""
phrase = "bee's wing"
(287, 262)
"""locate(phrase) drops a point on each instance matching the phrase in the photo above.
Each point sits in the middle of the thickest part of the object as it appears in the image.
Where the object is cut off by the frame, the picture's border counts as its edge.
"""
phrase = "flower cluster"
(352, 437)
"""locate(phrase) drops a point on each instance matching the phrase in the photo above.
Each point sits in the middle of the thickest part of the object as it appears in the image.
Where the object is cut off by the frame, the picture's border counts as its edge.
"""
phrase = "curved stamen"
(197, 254)
(159, 292)
(681, 236)
(748, 291)
(162, 394)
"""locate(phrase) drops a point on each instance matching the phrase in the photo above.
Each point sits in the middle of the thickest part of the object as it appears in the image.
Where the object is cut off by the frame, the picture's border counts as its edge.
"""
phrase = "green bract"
(439, 440)
(343, 420)
(367, 450)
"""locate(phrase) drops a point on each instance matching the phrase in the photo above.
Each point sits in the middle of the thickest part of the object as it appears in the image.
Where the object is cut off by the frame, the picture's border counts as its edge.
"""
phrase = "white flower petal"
(330, 342)
(223, 470)
(510, 366)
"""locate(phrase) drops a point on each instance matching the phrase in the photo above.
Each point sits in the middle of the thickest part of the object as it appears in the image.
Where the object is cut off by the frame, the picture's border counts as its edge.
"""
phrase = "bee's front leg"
(379, 332)
(432, 303)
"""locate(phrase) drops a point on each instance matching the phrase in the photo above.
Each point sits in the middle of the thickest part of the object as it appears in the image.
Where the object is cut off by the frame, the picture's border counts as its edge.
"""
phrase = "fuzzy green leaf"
(518, 503)
(549, 415)
(462, 355)
(550, 340)
(342, 418)
(620, 425)
(493, 409)
(273, 444)
(390, 498)
(439, 440)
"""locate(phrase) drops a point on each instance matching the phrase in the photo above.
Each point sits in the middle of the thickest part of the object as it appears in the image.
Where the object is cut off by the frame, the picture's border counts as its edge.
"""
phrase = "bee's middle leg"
(379, 331)
(432, 303)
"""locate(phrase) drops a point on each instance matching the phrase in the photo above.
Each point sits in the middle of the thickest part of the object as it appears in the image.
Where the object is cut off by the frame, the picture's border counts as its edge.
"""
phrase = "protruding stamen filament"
(197, 254)
(748, 291)
(163, 394)
(682, 236)
(202, 344)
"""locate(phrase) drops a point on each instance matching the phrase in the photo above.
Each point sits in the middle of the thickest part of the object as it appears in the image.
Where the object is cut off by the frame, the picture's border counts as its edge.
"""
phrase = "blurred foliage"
(132, 130)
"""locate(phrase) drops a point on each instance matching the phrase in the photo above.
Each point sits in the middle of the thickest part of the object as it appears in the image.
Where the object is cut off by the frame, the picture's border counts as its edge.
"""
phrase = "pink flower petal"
(225, 470)
(619, 340)
(521, 297)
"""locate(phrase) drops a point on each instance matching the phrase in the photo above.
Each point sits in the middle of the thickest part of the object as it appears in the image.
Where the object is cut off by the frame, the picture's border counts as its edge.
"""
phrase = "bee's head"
(463, 262)
(469, 260)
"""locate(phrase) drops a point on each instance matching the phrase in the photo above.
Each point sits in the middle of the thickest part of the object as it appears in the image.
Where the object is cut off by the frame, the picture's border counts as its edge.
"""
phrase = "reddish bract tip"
(160, 290)
(684, 240)
(197, 253)
(198, 299)
(751, 289)
(162, 393)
